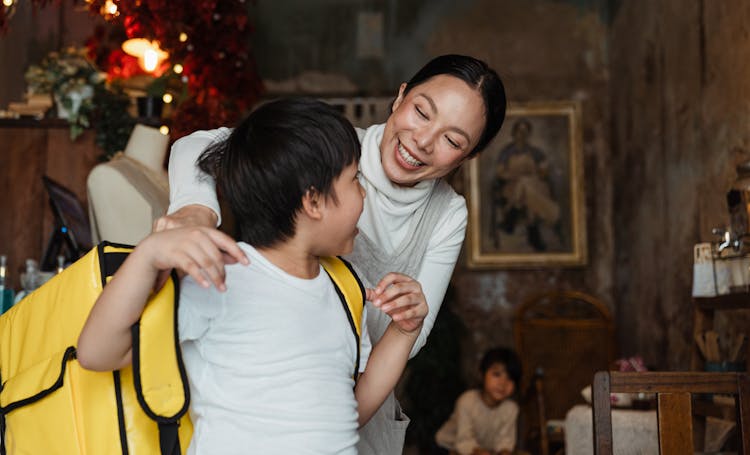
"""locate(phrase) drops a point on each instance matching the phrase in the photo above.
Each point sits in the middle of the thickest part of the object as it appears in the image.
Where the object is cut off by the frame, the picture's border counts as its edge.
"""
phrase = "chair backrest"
(675, 405)
(567, 336)
(562, 338)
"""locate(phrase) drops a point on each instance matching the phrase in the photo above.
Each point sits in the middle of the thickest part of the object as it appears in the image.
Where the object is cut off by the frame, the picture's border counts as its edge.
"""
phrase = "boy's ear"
(312, 204)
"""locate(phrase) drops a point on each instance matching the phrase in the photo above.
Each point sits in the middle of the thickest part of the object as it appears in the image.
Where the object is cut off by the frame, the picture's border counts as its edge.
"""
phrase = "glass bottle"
(60, 263)
(6, 291)
(30, 279)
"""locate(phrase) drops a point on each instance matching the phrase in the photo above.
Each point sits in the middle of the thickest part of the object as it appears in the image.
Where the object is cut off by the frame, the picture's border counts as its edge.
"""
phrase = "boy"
(269, 352)
(484, 420)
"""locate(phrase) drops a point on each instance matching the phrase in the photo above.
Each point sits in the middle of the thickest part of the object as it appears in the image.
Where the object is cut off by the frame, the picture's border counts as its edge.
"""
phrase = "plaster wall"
(544, 51)
(32, 33)
(680, 81)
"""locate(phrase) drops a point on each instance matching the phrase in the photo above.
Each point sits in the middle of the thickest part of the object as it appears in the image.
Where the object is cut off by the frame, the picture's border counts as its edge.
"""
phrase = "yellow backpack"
(50, 405)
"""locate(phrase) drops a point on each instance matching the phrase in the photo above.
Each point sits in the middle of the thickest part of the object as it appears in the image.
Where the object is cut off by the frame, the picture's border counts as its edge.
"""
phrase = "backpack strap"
(352, 295)
(159, 376)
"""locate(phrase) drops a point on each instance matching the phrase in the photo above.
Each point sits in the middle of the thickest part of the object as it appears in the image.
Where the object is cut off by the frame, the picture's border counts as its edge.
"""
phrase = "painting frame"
(532, 216)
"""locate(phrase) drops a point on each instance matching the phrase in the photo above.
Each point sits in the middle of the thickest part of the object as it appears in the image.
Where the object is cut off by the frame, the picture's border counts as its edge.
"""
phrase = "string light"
(110, 8)
(148, 52)
(164, 129)
(150, 60)
(177, 68)
(183, 37)
(9, 7)
(167, 98)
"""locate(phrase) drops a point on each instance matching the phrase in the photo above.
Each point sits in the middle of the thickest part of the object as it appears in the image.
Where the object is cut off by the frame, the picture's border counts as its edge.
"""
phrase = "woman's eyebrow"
(434, 108)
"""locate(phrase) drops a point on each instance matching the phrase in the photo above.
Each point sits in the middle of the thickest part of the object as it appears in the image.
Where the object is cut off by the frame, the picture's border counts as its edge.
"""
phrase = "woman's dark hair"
(282, 150)
(478, 75)
(505, 356)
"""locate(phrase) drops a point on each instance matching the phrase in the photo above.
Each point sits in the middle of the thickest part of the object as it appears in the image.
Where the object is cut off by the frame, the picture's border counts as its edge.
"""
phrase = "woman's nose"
(424, 138)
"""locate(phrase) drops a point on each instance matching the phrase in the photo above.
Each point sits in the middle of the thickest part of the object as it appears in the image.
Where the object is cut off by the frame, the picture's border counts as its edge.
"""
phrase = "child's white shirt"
(270, 363)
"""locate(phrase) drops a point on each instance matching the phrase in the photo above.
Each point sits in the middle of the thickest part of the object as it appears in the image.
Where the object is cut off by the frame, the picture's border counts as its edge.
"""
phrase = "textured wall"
(544, 51)
(679, 88)
(32, 33)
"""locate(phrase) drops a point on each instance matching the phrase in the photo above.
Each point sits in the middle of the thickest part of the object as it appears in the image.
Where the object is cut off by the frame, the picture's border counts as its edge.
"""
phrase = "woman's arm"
(192, 193)
(401, 298)
(438, 264)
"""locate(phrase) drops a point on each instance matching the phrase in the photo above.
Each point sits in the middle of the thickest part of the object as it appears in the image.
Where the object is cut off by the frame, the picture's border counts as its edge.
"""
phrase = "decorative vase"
(76, 96)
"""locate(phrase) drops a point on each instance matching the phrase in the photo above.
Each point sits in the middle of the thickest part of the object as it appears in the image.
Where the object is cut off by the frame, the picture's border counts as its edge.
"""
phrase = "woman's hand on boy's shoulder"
(190, 215)
(401, 297)
(200, 252)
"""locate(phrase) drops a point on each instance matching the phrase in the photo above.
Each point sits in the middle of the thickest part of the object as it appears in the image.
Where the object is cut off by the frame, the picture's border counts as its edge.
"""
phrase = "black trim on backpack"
(135, 331)
(109, 263)
(169, 440)
(69, 354)
(120, 412)
(350, 318)
(356, 278)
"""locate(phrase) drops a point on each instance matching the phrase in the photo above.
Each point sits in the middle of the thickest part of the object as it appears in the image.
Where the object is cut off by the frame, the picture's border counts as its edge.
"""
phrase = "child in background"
(484, 420)
(269, 351)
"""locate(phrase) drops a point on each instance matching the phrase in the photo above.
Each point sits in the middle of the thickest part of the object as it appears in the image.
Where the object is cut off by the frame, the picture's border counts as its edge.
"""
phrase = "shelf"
(735, 301)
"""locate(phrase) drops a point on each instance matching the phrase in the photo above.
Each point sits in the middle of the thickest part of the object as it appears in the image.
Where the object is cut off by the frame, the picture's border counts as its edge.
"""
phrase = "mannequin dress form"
(128, 193)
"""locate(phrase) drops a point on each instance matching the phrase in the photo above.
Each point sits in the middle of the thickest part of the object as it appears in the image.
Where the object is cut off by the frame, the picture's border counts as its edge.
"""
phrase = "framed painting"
(525, 191)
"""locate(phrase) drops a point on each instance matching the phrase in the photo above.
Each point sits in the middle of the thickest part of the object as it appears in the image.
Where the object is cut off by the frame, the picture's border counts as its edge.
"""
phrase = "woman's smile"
(407, 158)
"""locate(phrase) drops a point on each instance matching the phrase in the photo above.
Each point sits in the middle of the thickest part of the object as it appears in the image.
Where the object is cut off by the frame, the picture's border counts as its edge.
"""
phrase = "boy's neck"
(292, 259)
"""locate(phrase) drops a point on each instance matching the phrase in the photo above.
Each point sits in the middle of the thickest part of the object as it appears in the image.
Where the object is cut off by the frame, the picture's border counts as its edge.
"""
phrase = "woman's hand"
(190, 215)
(401, 297)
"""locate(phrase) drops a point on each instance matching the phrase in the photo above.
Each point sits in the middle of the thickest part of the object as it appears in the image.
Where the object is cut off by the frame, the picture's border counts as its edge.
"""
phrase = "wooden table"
(28, 150)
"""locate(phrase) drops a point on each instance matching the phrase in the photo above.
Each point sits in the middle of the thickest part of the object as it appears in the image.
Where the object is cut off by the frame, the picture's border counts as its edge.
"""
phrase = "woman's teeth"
(407, 157)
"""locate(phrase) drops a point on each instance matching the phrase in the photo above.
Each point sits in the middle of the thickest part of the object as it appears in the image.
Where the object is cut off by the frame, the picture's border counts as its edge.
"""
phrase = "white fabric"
(269, 362)
(633, 432)
(187, 184)
(385, 218)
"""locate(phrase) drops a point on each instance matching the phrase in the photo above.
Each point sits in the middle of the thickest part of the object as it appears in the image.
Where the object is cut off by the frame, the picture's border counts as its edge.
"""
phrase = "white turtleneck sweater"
(385, 218)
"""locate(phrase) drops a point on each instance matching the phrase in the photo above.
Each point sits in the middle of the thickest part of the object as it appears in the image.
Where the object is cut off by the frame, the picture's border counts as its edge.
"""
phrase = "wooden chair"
(675, 405)
(562, 338)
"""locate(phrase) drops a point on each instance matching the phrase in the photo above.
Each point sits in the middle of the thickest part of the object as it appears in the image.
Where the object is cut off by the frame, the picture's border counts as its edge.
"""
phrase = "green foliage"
(72, 78)
(113, 124)
(434, 378)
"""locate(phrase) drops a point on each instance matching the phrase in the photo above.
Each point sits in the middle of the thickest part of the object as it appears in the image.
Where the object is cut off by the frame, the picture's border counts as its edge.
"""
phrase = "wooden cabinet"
(28, 150)
(703, 319)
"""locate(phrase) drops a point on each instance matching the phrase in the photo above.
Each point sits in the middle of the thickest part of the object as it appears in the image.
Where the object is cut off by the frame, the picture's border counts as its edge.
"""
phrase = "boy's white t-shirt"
(270, 363)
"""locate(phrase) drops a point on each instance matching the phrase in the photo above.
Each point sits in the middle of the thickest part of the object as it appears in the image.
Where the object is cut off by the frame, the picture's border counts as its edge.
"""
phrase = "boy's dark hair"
(478, 75)
(277, 154)
(505, 356)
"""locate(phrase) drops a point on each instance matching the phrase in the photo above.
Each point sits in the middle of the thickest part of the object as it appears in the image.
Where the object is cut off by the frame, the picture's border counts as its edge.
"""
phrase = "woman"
(413, 223)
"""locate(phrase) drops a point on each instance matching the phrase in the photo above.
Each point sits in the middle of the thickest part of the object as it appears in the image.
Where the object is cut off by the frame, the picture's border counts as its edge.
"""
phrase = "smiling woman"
(432, 130)
(413, 223)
